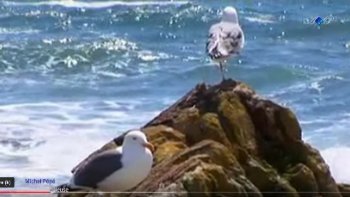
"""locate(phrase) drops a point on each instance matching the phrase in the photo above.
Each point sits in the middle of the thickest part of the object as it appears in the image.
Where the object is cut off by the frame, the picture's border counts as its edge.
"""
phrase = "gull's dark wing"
(232, 40)
(98, 168)
(224, 39)
(109, 146)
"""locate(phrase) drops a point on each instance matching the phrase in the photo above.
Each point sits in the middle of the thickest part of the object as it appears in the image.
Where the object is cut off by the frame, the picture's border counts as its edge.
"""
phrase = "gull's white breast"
(135, 169)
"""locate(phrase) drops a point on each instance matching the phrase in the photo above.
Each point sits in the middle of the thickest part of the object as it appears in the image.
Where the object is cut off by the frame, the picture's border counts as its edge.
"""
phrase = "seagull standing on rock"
(226, 38)
(115, 170)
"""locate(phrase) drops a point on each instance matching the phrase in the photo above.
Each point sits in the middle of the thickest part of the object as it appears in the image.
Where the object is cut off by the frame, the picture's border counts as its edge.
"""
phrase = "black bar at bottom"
(7, 182)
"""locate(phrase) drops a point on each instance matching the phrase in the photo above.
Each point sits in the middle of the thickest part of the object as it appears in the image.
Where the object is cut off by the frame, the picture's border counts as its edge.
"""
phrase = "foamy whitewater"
(75, 74)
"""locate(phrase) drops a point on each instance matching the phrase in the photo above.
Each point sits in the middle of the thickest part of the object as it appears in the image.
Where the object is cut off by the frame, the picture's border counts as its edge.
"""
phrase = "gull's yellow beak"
(149, 146)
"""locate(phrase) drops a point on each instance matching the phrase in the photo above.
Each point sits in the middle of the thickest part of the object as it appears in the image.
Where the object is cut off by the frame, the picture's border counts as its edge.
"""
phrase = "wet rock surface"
(225, 140)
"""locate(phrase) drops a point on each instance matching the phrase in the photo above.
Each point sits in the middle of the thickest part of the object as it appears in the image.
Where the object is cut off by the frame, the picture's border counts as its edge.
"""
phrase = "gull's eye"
(134, 138)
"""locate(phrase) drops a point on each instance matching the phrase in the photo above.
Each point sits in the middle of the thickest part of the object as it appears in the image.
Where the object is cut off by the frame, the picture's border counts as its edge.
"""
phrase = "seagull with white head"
(116, 170)
(226, 38)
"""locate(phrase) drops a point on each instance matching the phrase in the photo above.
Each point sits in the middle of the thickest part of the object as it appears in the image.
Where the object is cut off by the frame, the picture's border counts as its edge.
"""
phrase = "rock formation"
(225, 140)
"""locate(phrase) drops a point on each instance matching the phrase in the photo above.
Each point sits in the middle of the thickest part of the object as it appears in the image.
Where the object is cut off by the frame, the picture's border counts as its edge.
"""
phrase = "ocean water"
(75, 74)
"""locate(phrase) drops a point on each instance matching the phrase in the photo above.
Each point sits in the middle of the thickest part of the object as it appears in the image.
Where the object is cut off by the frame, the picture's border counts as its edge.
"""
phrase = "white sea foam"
(16, 31)
(115, 44)
(46, 140)
(261, 18)
(338, 160)
(316, 84)
(347, 45)
(110, 74)
(149, 56)
(95, 4)
(121, 49)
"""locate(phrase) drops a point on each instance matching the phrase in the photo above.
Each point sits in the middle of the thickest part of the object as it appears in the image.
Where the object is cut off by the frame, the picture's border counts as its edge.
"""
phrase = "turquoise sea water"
(74, 74)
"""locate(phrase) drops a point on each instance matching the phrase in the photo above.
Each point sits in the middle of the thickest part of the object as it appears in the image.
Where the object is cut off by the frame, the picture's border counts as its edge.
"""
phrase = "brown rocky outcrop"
(225, 140)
